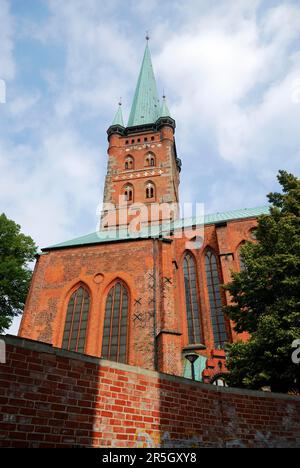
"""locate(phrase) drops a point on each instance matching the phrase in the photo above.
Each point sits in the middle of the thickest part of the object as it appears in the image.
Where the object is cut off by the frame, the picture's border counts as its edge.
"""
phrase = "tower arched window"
(150, 160)
(115, 331)
(150, 190)
(218, 320)
(195, 334)
(128, 192)
(129, 163)
(77, 321)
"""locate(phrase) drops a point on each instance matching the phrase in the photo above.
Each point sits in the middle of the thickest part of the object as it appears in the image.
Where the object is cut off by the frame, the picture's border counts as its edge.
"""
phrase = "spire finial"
(147, 36)
(118, 120)
(164, 108)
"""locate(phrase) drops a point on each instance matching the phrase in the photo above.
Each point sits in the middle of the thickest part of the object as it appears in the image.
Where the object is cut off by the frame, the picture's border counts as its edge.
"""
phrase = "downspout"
(155, 270)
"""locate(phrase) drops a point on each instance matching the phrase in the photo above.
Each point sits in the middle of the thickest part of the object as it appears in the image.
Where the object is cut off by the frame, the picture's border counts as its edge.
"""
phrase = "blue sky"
(231, 72)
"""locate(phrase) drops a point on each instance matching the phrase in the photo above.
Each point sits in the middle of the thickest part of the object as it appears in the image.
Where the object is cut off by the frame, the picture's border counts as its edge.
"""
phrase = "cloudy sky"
(230, 69)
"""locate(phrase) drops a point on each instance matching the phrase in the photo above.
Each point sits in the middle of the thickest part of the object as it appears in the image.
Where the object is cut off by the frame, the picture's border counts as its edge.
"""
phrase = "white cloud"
(7, 65)
(22, 104)
(100, 58)
(235, 77)
(47, 188)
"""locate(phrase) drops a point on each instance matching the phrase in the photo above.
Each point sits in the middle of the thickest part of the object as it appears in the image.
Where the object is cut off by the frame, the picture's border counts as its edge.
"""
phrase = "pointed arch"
(128, 192)
(193, 311)
(129, 163)
(115, 329)
(150, 160)
(76, 322)
(213, 281)
(150, 190)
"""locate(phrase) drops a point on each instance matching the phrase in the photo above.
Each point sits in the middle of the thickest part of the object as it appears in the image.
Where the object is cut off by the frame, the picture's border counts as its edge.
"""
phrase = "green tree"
(16, 251)
(266, 297)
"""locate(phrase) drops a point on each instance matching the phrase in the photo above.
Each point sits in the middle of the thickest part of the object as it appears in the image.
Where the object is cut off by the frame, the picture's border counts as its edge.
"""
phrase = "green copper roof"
(164, 112)
(146, 107)
(118, 120)
(123, 235)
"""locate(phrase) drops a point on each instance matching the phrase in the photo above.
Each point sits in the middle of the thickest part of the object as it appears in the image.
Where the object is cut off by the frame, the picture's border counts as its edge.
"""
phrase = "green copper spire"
(145, 108)
(164, 108)
(118, 120)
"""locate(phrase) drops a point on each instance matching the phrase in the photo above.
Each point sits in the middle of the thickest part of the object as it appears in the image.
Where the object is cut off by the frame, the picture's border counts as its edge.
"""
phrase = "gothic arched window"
(218, 319)
(192, 300)
(150, 160)
(129, 163)
(128, 192)
(76, 321)
(150, 190)
(115, 331)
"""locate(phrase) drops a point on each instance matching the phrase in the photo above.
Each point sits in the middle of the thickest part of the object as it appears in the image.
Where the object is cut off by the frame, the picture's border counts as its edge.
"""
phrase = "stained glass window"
(77, 321)
(216, 306)
(192, 300)
(114, 344)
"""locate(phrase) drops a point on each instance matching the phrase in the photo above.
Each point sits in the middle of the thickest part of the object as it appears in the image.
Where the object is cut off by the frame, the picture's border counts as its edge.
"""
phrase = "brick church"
(152, 298)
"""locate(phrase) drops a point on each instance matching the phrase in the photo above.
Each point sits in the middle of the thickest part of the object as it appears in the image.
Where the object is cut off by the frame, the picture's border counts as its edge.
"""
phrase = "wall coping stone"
(38, 346)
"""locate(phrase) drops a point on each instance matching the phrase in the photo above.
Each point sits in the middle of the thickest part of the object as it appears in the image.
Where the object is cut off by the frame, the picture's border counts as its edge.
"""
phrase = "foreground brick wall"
(53, 398)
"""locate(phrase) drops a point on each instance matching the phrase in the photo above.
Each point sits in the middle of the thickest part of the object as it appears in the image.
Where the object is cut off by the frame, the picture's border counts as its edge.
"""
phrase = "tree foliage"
(16, 251)
(266, 297)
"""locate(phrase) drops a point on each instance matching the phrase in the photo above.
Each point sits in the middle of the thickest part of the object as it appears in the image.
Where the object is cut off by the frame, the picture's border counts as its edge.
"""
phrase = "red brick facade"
(54, 398)
(153, 273)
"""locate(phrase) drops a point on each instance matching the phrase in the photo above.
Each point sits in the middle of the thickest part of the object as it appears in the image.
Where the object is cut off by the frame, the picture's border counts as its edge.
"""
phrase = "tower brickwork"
(143, 167)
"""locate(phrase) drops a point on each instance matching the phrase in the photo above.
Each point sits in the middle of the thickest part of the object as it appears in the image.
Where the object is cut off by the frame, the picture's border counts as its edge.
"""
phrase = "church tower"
(143, 167)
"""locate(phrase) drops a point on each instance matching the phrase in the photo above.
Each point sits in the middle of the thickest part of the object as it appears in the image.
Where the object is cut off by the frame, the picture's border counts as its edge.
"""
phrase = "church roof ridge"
(100, 237)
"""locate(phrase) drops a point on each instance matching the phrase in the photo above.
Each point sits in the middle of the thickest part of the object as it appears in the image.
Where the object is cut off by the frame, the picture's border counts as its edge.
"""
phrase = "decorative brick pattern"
(165, 174)
(54, 398)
